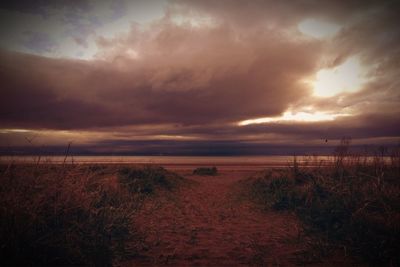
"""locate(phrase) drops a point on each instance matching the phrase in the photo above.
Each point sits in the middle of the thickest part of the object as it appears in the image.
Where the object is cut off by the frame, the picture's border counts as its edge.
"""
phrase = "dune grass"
(73, 214)
(353, 204)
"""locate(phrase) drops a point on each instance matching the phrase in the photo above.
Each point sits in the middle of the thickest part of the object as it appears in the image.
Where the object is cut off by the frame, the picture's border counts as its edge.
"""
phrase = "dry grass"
(352, 204)
(72, 214)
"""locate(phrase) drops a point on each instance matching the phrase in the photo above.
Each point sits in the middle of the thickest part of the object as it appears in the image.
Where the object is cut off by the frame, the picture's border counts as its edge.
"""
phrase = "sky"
(192, 77)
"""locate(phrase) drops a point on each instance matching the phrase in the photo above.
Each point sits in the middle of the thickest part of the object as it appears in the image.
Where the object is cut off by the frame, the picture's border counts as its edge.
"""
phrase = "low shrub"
(146, 179)
(205, 171)
(277, 193)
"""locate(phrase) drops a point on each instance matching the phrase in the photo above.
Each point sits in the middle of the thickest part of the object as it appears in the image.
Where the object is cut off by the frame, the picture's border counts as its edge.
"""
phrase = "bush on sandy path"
(205, 171)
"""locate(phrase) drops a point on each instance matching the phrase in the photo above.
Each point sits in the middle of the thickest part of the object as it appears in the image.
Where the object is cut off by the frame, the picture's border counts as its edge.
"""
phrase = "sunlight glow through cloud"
(294, 117)
(347, 77)
(14, 131)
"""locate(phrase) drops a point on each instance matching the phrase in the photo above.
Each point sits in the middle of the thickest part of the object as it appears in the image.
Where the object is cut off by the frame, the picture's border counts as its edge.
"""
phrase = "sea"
(176, 161)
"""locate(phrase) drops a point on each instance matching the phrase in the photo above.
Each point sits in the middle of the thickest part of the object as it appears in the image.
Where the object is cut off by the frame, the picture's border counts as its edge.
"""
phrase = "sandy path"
(203, 225)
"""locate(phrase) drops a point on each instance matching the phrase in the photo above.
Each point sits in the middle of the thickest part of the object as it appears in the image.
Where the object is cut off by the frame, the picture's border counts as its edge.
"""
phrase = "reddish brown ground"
(205, 224)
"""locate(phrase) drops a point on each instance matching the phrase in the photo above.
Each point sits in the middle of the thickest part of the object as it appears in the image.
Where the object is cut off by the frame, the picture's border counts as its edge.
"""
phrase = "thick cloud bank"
(203, 67)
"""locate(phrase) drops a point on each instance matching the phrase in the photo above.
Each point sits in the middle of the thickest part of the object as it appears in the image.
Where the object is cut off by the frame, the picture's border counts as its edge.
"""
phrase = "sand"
(207, 224)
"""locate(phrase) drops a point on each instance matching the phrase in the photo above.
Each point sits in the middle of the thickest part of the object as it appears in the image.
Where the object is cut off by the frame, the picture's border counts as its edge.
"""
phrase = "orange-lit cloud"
(287, 72)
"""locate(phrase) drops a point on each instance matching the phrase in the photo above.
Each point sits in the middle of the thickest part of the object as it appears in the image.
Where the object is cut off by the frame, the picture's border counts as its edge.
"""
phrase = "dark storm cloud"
(201, 148)
(39, 42)
(174, 148)
(41, 6)
(368, 125)
(286, 13)
(247, 60)
(362, 126)
(185, 77)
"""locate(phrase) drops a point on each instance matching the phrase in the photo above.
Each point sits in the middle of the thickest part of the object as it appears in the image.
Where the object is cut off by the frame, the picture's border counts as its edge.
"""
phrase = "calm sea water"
(278, 161)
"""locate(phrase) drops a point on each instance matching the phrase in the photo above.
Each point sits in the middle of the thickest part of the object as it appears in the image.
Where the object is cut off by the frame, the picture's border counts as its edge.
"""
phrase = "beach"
(196, 213)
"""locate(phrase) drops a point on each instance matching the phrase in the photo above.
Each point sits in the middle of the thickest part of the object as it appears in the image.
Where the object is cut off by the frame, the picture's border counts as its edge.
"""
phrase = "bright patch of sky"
(71, 32)
(193, 21)
(290, 116)
(345, 78)
(318, 29)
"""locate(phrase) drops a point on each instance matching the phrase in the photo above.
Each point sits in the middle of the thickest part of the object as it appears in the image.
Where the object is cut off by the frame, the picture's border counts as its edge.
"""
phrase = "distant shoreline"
(181, 162)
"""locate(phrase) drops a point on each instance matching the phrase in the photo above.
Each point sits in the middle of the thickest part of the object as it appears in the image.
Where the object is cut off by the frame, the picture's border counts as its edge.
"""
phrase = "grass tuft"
(353, 203)
(71, 214)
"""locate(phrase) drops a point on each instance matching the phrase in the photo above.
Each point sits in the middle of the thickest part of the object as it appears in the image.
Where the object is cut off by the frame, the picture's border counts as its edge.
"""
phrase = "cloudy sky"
(199, 77)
